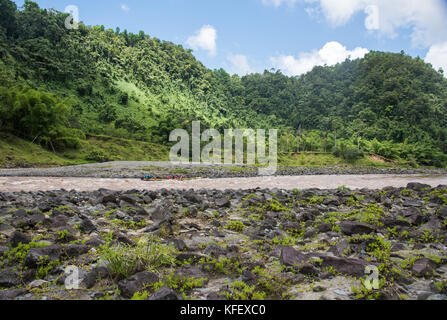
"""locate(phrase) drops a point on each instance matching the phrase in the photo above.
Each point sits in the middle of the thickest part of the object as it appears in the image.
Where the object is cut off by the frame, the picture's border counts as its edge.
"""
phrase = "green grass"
(21, 153)
(149, 254)
(318, 159)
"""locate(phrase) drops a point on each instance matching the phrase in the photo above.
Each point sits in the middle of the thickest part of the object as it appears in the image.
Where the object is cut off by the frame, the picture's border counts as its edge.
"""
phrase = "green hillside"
(59, 88)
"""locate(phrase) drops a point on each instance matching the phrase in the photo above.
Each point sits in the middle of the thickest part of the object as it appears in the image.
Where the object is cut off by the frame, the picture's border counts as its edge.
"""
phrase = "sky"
(245, 36)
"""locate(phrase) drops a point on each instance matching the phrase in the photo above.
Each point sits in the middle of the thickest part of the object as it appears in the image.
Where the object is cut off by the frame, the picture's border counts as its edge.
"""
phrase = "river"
(31, 184)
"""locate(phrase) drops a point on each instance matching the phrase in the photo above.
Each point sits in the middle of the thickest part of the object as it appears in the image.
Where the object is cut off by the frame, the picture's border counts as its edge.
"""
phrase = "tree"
(336, 126)
(359, 126)
(8, 16)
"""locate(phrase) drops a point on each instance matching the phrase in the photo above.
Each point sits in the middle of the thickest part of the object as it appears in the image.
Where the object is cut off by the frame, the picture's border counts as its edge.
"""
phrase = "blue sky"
(245, 36)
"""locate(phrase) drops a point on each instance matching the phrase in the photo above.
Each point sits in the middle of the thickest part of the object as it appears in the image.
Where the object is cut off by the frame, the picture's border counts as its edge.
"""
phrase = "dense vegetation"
(58, 86)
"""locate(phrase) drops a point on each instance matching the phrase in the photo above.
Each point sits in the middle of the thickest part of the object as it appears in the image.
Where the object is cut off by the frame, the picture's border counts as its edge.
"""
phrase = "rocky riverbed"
(227, 244)
(137, 169)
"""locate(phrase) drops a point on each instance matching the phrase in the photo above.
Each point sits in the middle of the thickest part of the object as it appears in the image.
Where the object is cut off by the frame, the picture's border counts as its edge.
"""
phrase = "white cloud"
(204, 39)
(331, 54)
(426, 19)
(125, 7)
(437, 56)
(239, 64)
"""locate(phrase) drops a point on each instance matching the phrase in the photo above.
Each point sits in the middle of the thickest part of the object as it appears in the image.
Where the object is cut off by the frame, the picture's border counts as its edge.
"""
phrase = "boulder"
(222, 202)
(87, 226)
(9, 278)
(298, 260)
(95, 275)
(355, 227)
(36, 255)
(11, 294)
(179, 244)
(136, 283)
(324, 227)
(129, 198)
(416, 186)
(75, 250)
(165, 293)
(17, 237)
(214, 250)
(423, 267)
(347, 266)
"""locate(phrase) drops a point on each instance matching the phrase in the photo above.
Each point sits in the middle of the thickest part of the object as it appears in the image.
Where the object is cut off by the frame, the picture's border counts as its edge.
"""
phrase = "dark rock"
(310, 233)
(342, 248)
(129, 198)
(412, 203)
(222, 202)
(216, 223)
(413, 215)
(215, 296)
(354, 227)
(136, 283)
(9, 279)
(123, 238)
(432, 225)
(108, 197)
(165, 293)
(12, 294)
(161, 213)
(398, 247)
(423, 267)
(443, 211)
(324, 227)
(87, 226)
(56, 222)
(298, 260)
(418, 186)
(249, 277)
(393, 222)
(140, 211)
(192, 197)
(332, 202)
(347, 266)
(291, 257)
(75, 250)
(4, 228)
(24, 220)
(214, 250)
(17, 237)
(94, 242)
(95, 275)
(179, 244)
(35, 255)
(67, 234)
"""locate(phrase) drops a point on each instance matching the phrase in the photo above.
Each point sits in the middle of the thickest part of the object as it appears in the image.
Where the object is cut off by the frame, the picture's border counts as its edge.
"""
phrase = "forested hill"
(56, 85)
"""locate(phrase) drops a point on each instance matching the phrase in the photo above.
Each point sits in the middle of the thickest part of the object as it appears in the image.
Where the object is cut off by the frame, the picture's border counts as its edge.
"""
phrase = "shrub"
(97, 155)
(149, 254)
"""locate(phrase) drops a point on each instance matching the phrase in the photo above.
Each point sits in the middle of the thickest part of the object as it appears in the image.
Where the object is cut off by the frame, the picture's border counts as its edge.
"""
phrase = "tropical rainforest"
(60, 87)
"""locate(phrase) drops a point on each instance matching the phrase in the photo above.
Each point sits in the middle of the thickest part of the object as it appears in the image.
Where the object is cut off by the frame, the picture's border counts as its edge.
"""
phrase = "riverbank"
(231, 244)
(137, 169)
